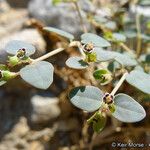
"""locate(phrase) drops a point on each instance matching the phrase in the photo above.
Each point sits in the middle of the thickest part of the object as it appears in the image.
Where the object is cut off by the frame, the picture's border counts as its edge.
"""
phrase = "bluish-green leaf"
(95, 39)
(103, 55)
(110, 25)
(76, 63)
(59, 32)
(127, 109)
(13, 46)
(130, 34)
(119, 37)
(39, 74)
(140, 80)
(88, 98)
(124, 59)
(100, 19)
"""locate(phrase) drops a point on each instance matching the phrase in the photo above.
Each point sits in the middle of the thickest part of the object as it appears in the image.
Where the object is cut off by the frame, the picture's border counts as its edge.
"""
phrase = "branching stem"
(54, 52)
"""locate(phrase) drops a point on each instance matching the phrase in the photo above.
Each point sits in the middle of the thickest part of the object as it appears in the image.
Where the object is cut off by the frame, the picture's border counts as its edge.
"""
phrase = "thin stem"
(125, 47)
(54, 52)
(78, 44)
(138, 28)
(119, 83)
(92, 117)
(80, 16)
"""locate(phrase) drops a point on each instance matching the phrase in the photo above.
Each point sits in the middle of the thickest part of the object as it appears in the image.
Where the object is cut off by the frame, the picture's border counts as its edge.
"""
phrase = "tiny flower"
(21, 53)
(88, 48)
(108, 98)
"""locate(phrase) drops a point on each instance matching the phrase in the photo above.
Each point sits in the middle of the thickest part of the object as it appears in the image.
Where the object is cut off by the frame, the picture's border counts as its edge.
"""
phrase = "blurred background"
(33, 119)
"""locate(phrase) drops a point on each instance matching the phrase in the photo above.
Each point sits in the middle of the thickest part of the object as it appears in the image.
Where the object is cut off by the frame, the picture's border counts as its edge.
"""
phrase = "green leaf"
(112, 108)
(3, 67)
(59, 32)
(127, 109)
(88, 98)
(91, 57)
(76, 63)
(13, 46)
(99, 123)
(98, 74)
(7, 75)
(13, 60)
(38, 74)
(103, 55)
(95, 39)
(140, 80)
(103, 75)
(55, 2)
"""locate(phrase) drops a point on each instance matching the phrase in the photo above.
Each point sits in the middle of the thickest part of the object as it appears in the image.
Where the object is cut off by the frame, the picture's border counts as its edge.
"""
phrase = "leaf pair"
(90, 98)
(38, 74)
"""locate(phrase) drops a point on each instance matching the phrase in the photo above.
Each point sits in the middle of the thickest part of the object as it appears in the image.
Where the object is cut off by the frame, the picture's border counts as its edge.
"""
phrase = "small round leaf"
(140, 80)
(59, 32)
(95, 39)
(76, 63)
(39, 74)
(119, 37)
(103, 55)
(127, 109)
(88, 98)
(124, 59)
(13, 46)
(110, 25)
